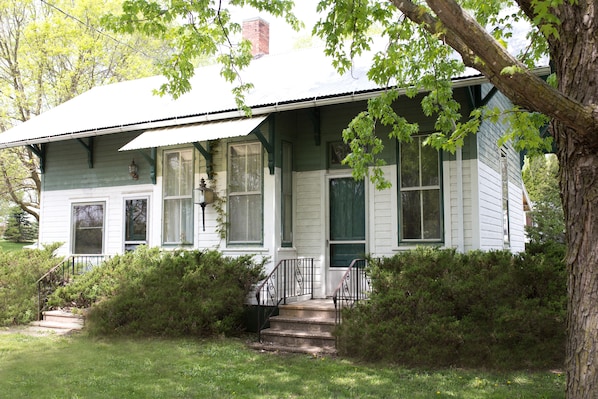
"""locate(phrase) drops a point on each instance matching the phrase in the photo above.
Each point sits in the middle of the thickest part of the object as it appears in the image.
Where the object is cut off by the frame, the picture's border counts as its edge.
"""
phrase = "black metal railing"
(62, 273)
(355, 285)
(290, 278)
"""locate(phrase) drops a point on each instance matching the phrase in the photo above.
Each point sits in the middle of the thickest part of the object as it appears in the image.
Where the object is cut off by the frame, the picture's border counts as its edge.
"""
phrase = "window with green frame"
(287, 194)
(245, 209)
(178, 197)
(420, 196)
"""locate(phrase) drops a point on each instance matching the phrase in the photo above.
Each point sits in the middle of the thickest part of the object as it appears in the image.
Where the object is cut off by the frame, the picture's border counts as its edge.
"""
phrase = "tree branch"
(482, 52)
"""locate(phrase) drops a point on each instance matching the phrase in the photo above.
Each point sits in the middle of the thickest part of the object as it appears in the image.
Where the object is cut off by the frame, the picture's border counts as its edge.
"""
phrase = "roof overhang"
(194, 133)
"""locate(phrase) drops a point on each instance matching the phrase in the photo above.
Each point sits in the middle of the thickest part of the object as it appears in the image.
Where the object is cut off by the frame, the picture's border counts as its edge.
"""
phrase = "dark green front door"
(347, 221)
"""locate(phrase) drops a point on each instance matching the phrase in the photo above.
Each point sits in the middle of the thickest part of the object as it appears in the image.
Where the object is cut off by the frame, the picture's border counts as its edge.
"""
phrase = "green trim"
(207, 155)
(89, 147)
(411, 242)
(40, 151)
(269, 143)
(151, 160)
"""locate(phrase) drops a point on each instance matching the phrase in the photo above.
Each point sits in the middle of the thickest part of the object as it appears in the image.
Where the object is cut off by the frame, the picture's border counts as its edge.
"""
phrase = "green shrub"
(19, 271)
(199, 293)
(439, 308)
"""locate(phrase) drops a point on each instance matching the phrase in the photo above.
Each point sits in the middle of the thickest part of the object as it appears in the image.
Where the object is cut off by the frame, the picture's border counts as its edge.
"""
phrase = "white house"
(120, 166)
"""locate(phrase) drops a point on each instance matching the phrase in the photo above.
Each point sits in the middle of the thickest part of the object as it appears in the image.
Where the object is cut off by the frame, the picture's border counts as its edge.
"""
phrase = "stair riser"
(62, 319)
(308, 313)
(301, 326)
(325, 343)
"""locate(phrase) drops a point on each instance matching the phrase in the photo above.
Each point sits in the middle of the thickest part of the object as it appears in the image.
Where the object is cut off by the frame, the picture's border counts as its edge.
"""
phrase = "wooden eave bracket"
(207, 155)
(89, 147)
(475, 96)
(151, 160)
(40, 151)
(268, 144)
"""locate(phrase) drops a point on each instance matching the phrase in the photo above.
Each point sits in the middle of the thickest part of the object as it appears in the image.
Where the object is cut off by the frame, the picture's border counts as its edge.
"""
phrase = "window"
(287, 194)
(420, 196)
(88, 228)
(337, 152)
(135, 223)
(245, 193)
(504, 174)
(178, 197)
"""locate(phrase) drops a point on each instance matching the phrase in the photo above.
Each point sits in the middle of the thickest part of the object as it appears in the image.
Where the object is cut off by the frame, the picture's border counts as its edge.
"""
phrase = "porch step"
(60, 321)
(304, 327)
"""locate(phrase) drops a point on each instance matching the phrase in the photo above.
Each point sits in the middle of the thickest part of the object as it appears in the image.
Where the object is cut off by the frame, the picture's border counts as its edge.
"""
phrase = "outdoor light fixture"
(203, 196)
(133, 170)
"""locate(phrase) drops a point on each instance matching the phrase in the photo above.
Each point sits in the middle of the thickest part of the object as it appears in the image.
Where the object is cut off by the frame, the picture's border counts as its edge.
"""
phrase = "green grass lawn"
(82, 367)
(12, 246)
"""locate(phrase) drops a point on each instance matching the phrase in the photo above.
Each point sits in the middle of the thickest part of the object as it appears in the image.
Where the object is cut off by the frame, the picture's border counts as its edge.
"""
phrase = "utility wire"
(137, 50)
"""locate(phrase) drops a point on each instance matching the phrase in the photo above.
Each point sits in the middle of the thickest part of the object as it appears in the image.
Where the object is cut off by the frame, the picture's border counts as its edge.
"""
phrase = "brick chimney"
(257, 31)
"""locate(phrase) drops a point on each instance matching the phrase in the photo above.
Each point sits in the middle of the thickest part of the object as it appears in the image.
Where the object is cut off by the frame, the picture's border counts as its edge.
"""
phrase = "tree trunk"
(579, 190)
(576, 66)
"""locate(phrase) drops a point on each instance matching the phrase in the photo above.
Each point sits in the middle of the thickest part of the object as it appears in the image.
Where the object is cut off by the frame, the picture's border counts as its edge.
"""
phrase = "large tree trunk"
(579, 189)
(576, 66)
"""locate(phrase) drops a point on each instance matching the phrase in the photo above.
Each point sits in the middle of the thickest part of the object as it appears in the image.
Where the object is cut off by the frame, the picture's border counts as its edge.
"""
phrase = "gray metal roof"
(298, 79)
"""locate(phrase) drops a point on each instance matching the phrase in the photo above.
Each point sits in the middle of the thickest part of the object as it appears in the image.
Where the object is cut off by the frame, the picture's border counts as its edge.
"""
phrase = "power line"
(97, 30)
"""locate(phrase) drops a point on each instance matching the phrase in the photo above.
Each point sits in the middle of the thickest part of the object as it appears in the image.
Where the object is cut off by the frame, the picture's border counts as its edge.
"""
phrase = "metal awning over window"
(194, 133)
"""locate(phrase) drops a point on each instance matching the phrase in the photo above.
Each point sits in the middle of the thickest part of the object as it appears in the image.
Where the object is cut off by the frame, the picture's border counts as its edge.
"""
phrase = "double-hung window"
(88, 228)
(245, 210)
(178, 197)
(419, 190)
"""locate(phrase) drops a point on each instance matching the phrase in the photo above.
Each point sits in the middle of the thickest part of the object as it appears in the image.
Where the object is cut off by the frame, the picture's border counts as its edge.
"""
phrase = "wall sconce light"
(203, 196)
(133, 169)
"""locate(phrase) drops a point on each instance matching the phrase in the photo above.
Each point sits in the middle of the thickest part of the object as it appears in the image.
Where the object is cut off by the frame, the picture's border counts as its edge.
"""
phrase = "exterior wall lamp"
(133, 170)
(203, 196)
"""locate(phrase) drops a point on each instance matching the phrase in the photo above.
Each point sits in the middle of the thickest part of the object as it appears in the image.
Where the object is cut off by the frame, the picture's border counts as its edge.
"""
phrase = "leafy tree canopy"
(51, 51)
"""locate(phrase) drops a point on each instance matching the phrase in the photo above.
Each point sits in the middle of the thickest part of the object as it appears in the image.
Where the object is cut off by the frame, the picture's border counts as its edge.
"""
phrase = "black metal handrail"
(62, 273)
(355, 285)
(290, 278)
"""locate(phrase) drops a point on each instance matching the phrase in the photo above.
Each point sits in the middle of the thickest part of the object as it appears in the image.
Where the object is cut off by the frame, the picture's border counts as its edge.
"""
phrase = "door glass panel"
(347, 221)
(341, 255)
(347, 209)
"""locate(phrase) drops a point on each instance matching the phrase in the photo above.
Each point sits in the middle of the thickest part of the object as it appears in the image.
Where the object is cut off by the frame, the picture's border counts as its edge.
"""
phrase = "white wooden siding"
(55, 223)
(310, 223)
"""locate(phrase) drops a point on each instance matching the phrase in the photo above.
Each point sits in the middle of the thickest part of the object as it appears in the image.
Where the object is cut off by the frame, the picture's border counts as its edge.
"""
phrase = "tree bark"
(574, 54)
(575, 59)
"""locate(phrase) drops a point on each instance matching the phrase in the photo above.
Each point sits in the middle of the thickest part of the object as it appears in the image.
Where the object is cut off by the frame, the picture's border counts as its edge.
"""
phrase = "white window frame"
(74, 228)
(421, 189)
(181, 198)
(125, 221)
(259, 193)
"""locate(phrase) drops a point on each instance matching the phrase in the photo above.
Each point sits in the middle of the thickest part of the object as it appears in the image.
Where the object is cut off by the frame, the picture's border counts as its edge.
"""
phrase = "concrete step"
(60, 316)
(57, 325)
(311, 350)
(302, 324)
(312, 309)
(299, 339)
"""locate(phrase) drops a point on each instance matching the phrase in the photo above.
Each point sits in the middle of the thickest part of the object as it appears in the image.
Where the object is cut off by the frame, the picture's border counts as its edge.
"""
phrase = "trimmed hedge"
(153, 293)
(439, 308)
